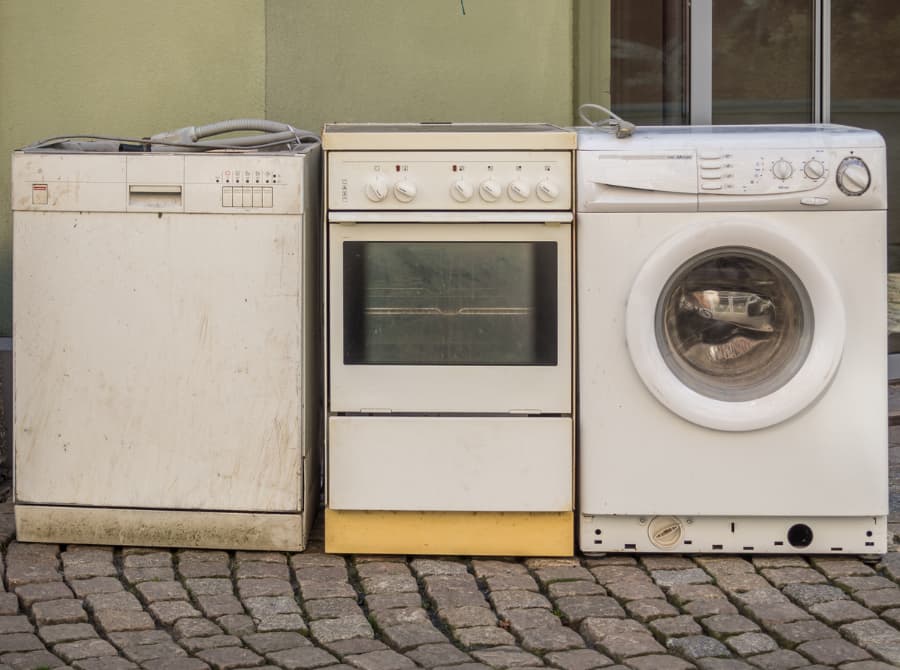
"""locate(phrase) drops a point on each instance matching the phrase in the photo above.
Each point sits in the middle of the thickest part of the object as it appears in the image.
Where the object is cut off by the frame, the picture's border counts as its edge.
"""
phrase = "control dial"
(853, 177)
(782, 169)
(461, 190)
(376, 189)
(547, 190)
(405, 190)
(518, 190)
(490, 190)
(814, 169)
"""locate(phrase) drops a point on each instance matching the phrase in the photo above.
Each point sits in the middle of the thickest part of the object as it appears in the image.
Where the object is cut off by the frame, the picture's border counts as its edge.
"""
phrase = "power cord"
(613, 123)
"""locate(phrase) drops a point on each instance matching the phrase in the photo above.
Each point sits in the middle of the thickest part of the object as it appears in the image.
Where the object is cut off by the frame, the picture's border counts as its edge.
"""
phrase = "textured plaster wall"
(124, 67)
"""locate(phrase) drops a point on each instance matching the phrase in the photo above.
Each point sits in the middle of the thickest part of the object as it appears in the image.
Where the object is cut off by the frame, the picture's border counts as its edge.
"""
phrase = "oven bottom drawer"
(450, 464)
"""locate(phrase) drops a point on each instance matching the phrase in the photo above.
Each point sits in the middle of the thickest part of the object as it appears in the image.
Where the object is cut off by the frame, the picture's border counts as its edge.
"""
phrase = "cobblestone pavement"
(103, 608)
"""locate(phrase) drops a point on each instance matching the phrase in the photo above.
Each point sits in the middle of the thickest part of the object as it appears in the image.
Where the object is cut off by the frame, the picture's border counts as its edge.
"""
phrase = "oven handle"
(450, 217)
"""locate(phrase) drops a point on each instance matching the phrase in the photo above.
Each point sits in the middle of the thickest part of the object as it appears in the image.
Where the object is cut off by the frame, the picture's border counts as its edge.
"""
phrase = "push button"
(267, 197)
(226, 196)
(711, 186)
(257, 196)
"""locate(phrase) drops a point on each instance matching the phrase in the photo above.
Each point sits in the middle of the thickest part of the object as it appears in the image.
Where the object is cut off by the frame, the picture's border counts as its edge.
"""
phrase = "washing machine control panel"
(762, 171)
(450, 180)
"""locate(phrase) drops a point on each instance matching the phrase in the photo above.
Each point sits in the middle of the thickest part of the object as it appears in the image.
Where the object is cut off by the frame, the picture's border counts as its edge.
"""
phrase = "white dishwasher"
(166, 356)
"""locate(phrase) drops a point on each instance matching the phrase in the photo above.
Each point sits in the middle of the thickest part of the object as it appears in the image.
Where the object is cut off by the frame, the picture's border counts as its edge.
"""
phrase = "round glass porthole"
(734, 324)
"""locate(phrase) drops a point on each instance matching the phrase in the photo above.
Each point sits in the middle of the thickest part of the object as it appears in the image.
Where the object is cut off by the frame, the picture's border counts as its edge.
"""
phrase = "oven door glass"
(450, 303)
(442, 317)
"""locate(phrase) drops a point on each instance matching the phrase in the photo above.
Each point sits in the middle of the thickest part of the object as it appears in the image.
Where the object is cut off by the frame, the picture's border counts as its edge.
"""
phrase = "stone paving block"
(806, 595)
(118, 601)
(463, 666)
(456, 598)
(748, 644)
(311, 560)
(250, 588)
(331, 608)
(9, 603)
(669, 578)
(325, 574)
(195, 569)
(217, 606)
(575, 609)
(111, 621)
(207, 586)
(467, 617)
(723, 664)
(770, 614)
(606, 574)
(653, 562)
(267, 570)
(377, 568)
(137, 575)
(265, 643)
(491, 568)
(705, 608)
(241, 557)
(264, 606)
(620, 638)
(58, 611)
(237, 624)
(517, 582)
(149, 652)
(698, 646)
(792, 634)
(724, 565)
(379, 660)
(506, 657)
(425, 567)
(195, 628)
(31, 660)
(153, 559)
(33, 593)
(549, 575)
(86, 587)
(781, 577)
(520, 620)
(578, 659)
(867, 665)
(508, 600)
(876, 636)
(195, 644)
(20, 642)
(440, 583)
(550, 638)
(374, 602)
(230, 658)
(686, 593)
(314, 590)
(563, 589)
(152, 592)
(66, 632)
(15, 624)
(660, 662)
(540, 562)
(841, 567)
(891, 616)
(879, 599)
(832, 651)
(634, 590)
(478, 637)
(648, 610)
(175, 663)
(75, 651)
(677, 626)
(777, 561)
(20, 574)
(867, 583)
(281, 622)
(170, 611)
(841, 611)
(720, 625)
(139, 638)
(88, 570)
(402, 615)
(116, 663)
(741, 582)
(404, 637)
(329, 630)
(434, 655)
(890, 565)
(354, 646)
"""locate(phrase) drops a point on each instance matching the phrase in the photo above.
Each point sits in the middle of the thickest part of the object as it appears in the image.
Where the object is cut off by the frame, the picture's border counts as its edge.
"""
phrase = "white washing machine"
(731, 295)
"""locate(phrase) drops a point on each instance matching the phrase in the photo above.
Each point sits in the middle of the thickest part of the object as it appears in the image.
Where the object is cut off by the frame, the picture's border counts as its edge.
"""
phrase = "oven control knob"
(853, 177)
(814, 169)
(518, 190)
(490, 190)
(405, 191)
(461, 191)
(376, 189)
(547, 190)
(782, 169)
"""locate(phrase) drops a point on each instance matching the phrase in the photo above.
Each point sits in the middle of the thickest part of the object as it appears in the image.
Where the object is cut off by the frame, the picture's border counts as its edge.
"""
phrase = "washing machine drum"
(734, 327)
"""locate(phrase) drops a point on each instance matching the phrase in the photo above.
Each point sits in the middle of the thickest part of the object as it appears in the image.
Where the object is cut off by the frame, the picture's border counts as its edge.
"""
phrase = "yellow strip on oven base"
(456, 533)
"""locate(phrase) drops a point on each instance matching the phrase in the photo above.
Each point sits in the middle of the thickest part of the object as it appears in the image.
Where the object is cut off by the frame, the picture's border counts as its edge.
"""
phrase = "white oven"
(450, 339)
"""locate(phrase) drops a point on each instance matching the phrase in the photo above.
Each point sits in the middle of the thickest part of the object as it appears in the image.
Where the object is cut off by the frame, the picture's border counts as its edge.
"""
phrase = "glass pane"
(734, 324)
(865, 92)
(450, 303)
(649, 62)
(762, 61)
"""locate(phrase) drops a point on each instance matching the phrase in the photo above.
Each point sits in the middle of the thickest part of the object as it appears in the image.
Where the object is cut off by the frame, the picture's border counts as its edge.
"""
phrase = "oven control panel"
(450, 180)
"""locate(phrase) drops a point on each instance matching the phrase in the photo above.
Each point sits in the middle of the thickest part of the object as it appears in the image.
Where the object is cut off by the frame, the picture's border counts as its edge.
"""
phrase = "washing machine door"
(734, 326)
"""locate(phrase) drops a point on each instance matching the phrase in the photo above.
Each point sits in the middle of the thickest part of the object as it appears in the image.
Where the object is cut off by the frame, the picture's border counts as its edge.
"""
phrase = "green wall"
(133, 67)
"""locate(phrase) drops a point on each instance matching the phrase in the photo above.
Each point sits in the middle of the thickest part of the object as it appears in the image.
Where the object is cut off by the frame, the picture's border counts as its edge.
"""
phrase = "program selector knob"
(814, 169)
(853, 177)
(490, 190)
(405, 190)
(782, 169)
(547, 190)
(518, 190)
(376, 189)
(461, 190)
